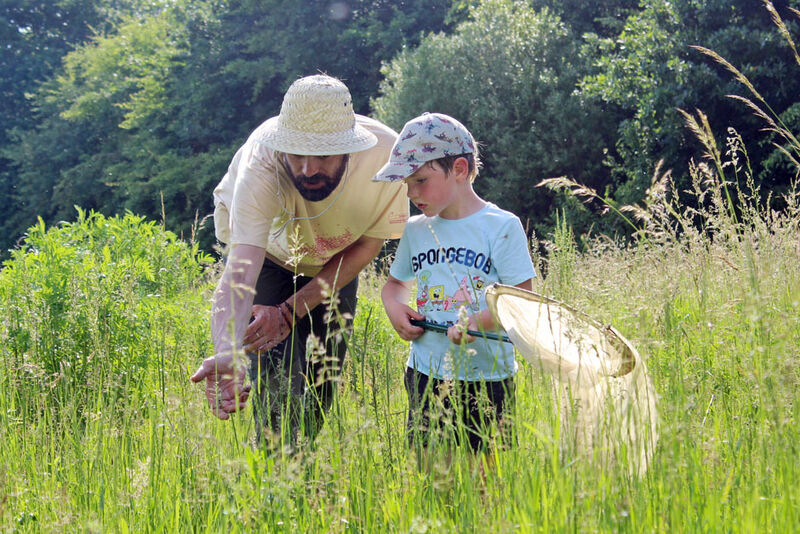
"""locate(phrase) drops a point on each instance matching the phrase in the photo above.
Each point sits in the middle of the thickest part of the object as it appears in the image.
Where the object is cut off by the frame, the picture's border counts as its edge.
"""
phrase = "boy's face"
(432, 190)
(437, 192)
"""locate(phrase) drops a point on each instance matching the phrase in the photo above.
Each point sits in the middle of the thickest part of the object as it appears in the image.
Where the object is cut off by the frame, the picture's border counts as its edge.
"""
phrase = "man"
(303, 217)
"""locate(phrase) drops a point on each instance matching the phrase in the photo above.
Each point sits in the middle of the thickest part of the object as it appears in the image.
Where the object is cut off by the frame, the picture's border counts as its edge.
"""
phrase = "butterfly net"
(606, 397)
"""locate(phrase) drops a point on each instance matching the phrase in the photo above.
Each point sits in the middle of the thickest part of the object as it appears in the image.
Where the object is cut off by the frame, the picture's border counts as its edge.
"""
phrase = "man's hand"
(225, 388)
(268, 328)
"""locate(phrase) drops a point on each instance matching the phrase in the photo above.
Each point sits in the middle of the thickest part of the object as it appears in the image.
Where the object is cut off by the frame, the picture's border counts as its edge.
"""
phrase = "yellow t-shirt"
(257, 204)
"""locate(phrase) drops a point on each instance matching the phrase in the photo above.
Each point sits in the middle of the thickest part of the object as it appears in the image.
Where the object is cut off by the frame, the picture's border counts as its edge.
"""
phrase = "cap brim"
(394, 172)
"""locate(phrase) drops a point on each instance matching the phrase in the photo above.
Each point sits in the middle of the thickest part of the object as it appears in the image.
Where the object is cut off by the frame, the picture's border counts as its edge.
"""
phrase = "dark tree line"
(118, 105)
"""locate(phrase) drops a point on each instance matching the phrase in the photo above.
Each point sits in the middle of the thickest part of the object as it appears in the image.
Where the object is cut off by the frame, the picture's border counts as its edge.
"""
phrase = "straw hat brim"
(282, 139)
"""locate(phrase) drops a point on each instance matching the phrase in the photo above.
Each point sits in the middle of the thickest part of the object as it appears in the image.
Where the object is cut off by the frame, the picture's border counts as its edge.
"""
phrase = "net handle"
(443, 328)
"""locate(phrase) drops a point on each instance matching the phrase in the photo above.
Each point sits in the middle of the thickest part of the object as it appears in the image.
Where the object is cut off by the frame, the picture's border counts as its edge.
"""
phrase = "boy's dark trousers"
(295, 382)
(459, 410)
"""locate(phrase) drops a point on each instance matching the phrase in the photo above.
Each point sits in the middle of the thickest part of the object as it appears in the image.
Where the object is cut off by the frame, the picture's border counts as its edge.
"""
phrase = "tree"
(106, 86)
(509, 74)
(601, 18)
(145, 115)
(35, 35)
(650, 71)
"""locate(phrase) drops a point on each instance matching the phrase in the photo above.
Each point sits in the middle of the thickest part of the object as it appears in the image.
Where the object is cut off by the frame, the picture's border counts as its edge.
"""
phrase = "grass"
(715, 312)
(103, 321)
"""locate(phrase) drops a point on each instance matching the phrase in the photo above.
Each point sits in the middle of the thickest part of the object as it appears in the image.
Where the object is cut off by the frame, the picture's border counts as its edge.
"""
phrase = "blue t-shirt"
(453, 260)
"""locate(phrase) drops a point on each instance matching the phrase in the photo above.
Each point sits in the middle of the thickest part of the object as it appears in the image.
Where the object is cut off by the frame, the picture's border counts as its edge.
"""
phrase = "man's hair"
(473, 161)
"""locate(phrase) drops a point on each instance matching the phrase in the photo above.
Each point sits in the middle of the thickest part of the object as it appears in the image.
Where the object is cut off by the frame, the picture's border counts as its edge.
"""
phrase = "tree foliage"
(106, 85)
(139, 105)
(509, 75)
(651, 72)
(146, 114)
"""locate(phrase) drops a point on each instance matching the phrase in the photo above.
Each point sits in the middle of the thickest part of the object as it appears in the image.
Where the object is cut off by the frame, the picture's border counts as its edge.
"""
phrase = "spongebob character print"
(452, 261)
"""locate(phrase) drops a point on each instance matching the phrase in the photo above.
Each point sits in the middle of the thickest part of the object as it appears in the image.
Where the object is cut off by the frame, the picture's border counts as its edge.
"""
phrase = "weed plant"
(92, 314)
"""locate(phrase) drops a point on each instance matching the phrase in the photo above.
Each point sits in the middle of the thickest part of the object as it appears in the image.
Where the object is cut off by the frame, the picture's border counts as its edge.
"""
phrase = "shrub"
(94, 307)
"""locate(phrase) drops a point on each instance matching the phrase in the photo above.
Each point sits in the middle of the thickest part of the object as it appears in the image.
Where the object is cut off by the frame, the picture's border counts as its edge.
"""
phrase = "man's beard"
(318, 193)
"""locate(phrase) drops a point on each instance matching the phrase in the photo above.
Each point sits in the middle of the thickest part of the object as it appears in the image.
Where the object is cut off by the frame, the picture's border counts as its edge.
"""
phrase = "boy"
(457, 246)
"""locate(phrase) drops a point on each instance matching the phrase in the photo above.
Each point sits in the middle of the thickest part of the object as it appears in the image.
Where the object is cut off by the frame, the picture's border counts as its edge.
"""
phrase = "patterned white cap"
(426, 138)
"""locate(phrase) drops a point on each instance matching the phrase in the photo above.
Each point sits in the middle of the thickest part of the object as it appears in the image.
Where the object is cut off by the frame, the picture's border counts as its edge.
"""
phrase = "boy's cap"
(428, 137)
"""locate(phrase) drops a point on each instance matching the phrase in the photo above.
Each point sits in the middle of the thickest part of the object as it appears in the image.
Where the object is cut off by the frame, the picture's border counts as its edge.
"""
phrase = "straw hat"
(316, 119)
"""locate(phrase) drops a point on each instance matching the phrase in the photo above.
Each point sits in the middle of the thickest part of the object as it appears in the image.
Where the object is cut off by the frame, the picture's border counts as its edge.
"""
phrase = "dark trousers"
(295, 382)
(457, 411)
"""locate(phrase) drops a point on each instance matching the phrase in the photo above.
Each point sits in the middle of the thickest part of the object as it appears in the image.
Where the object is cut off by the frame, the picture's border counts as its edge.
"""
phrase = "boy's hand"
(458, 332)
(395, 295)
(400, 316)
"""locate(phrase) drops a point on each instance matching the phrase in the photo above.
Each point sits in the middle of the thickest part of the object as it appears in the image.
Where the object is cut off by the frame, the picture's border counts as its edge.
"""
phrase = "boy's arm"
(481, 321)
(395, 295)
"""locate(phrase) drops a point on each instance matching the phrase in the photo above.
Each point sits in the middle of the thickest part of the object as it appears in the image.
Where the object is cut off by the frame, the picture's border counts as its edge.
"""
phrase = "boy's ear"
(461, 168)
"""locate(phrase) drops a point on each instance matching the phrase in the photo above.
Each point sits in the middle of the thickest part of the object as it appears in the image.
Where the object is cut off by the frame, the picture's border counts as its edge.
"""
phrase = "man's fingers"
(262, 345)
(226, 403)
(225, 388)
(214, 402)
(255, 346)
(231, 389)
(250, 337)
(220, 413)
(256, 342)
(233, 405)
(206, 370)
(200, 374)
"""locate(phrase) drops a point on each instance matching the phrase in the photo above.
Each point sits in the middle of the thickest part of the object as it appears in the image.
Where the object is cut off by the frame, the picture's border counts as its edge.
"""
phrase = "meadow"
(104, 319)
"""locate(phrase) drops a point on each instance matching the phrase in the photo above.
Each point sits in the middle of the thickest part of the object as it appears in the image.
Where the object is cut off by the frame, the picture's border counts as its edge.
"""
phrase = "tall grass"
(712, 301)
(103, 320)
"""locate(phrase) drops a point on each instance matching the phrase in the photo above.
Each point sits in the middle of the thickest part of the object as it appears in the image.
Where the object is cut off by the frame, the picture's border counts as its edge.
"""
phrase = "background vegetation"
(117, 105)
(102, 319)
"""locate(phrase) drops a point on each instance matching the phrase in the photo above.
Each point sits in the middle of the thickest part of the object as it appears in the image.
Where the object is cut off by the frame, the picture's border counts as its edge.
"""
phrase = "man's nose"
(309, 166)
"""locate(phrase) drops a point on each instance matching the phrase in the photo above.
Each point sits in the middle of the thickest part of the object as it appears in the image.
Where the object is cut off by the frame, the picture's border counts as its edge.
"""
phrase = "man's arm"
(233, 298)
(224, 372)
(339, 271)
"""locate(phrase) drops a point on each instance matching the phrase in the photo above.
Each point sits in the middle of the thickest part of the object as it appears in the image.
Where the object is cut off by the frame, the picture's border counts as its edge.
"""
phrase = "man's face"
(315, 177)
